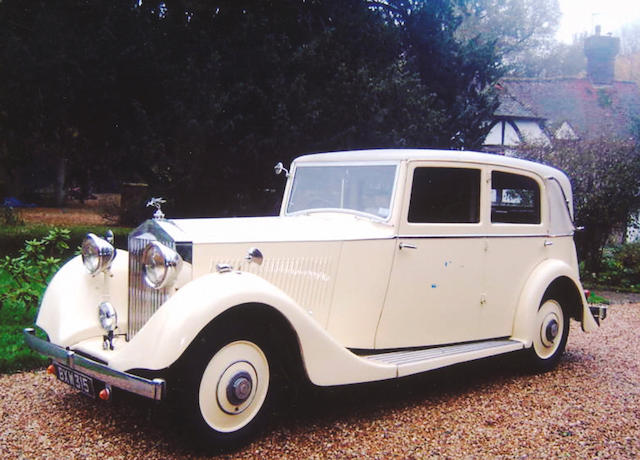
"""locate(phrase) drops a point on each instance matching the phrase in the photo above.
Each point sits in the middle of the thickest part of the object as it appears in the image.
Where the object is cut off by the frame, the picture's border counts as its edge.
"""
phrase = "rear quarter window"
(515, 199)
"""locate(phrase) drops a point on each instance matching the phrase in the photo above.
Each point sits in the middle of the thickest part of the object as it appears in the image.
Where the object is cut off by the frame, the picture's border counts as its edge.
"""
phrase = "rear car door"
(436, 288)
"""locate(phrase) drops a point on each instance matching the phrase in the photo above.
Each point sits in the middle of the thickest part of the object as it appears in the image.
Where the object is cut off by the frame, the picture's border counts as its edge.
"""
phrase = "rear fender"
(541, 278)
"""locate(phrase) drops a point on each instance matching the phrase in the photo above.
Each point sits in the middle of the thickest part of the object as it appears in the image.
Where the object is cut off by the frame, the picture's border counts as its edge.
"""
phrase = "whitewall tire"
(229, 386)
(233, 387)
(550, 334)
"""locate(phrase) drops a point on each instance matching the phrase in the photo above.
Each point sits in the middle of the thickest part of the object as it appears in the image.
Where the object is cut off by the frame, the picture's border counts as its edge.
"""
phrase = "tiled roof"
(592, 111)
(511, 107)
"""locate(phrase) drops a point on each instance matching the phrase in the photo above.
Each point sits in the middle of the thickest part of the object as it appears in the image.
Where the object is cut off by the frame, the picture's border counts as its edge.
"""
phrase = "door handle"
(403, 245)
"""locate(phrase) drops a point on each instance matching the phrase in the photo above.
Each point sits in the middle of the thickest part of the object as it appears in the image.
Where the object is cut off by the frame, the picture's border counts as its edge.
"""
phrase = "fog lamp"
(108, 316)
(97, 254)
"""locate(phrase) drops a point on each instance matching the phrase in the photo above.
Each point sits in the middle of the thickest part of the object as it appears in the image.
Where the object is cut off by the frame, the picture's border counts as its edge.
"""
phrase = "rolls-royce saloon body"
(381, 264)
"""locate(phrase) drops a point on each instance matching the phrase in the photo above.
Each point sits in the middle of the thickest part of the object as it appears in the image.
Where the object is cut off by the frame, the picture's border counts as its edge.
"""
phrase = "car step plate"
(413, 361)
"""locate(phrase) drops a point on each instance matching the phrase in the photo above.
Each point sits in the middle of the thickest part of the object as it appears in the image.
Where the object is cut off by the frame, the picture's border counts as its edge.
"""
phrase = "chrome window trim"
(443, 236)
(351, 212)
(485, 235)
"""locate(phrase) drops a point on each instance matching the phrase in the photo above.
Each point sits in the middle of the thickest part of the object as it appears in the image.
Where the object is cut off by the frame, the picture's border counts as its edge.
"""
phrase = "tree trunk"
(61, 172)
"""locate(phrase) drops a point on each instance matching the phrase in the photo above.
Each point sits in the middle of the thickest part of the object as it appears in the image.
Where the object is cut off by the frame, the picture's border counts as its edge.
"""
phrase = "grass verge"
(597, 299)
(14, 354)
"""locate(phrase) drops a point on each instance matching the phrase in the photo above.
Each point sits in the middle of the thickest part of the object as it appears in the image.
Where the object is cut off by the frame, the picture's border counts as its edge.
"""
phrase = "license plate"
(76, 379)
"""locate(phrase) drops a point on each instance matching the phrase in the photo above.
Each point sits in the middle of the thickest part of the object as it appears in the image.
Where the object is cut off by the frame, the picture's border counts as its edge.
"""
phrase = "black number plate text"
(76, 379)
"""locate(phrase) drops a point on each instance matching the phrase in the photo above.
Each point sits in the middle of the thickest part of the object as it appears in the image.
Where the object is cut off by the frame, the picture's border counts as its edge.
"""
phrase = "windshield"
(363, 189)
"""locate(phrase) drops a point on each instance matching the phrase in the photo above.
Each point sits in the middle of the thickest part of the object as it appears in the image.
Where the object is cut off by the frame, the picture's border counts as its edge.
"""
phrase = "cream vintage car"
(381, 264)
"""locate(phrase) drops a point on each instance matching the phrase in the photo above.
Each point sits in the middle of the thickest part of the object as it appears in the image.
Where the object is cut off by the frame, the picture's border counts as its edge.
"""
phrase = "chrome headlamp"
(97, 254)
(160, 265)
(108, 316)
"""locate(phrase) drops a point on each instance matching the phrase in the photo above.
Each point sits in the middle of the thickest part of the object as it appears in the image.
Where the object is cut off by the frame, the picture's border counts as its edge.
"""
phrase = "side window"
(515, 199)
(445, 195)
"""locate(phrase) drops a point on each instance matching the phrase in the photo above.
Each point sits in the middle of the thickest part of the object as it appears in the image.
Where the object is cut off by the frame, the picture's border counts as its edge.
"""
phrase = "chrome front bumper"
(153, 389)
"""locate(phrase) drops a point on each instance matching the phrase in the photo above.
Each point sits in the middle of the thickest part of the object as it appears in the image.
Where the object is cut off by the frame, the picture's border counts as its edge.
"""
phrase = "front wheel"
(230, 391)
(550, 336)
(234, 386)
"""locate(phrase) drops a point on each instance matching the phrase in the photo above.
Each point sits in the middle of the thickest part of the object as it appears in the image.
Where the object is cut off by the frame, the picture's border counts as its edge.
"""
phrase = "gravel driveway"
(587, 408)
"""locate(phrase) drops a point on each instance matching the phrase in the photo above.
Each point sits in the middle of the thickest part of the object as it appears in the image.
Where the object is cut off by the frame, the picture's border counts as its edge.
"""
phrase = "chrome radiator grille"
(143, 300)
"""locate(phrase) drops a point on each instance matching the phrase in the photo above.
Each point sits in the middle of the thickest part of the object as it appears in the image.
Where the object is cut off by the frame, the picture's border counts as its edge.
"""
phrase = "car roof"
(463, 156)
(460, 156)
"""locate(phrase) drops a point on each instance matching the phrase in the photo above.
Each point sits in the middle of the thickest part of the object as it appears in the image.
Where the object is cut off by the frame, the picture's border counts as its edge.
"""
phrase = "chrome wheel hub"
(239, 388)
(549, 330)
(552, 330)
(236, 387)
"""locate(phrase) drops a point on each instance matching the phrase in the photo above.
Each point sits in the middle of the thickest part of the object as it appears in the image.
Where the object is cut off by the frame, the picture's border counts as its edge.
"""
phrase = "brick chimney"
(601, 53)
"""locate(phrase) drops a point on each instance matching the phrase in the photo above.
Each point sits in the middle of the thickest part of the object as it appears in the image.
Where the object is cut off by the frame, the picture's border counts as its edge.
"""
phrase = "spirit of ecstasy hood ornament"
(157, 203)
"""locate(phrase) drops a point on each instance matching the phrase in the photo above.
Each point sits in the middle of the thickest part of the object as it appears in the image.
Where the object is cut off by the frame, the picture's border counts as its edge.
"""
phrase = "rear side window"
(515, 199)
(445, 195)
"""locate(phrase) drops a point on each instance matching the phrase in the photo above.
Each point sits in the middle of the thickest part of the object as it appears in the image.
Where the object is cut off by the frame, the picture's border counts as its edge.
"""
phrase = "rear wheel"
(549, 337)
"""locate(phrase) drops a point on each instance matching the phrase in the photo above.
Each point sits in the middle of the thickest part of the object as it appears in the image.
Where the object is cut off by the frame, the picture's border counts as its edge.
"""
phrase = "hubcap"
(239, 388)
(549, 330)
(550, 325)
(234, 386)
(552, 330)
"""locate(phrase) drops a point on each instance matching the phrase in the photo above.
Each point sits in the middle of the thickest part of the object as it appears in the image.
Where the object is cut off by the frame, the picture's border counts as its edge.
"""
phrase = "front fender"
(170, 331)
(69, 309)
(531, 297)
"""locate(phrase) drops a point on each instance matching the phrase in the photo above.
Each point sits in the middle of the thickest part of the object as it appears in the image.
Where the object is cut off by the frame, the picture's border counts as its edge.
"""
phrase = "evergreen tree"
(200, 98)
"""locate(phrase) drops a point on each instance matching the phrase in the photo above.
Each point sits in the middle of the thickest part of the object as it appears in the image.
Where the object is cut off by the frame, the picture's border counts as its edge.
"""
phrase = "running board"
(415, 361)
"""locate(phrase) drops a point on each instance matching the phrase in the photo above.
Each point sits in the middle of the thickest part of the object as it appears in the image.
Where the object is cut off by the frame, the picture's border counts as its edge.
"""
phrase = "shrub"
(23, 279)
(12, 238)
(25, 270)
(620, 268)
(604, 176)
(597, 299)
(27, 274)
(10, 216)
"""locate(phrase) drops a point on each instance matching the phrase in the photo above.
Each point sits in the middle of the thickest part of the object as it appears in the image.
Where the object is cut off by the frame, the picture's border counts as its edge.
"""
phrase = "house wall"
(633, 232)
(531, 131)
(495, 135)
(513, 132)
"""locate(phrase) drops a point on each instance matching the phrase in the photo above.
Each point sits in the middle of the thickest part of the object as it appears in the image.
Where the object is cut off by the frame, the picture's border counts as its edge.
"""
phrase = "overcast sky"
(583, 15)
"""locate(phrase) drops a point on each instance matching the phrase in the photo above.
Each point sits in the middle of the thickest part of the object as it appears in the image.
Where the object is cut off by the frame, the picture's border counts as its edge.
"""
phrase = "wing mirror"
(279, 168)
